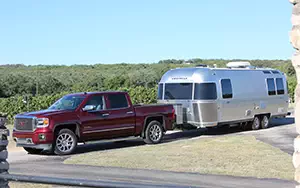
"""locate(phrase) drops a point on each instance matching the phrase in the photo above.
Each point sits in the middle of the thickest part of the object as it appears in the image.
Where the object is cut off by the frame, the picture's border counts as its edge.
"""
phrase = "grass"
(292, 105)
(228, 155)
(28, 185)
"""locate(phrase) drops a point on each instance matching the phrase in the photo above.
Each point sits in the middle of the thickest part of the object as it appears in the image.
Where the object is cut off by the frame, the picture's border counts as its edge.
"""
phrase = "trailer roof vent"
(240, 64)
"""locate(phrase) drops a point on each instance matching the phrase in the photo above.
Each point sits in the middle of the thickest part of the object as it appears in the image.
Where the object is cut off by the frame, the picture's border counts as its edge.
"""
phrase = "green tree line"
(43, 84)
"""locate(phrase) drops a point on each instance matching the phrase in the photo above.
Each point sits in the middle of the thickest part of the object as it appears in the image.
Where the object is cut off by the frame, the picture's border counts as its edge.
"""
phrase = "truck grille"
(24, 124)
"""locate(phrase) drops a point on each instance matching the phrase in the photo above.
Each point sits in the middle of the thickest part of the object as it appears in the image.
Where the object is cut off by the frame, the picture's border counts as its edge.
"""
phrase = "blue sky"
(142, 31)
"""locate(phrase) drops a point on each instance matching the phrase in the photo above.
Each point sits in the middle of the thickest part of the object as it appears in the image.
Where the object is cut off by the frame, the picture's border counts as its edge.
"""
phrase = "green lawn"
(28, 185)
(226, 155)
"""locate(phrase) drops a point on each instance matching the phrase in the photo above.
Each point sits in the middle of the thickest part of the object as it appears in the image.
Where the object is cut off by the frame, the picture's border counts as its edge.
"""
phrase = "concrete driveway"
(280, 135)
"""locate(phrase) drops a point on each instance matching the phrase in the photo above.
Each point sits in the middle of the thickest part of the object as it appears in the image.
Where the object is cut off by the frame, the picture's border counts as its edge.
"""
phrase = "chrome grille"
(24, 124)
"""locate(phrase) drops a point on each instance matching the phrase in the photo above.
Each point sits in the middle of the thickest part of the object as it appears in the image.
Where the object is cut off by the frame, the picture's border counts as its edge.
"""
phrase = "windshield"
(205, 91)
(178, 91)
(67, 103)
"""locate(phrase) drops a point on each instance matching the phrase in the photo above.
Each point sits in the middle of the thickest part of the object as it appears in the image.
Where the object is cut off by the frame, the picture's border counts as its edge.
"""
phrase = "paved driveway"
(280, 135)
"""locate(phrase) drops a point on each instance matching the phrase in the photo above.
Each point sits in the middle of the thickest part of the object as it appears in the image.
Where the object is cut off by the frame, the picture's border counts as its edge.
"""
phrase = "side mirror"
(89, 108)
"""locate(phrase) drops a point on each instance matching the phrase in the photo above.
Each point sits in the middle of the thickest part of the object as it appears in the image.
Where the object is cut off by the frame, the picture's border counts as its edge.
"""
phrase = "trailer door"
(227, 111)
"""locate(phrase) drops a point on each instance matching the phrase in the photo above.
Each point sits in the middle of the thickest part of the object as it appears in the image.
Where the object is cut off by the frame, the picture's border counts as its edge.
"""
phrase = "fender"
(77, 131)
(153, 116)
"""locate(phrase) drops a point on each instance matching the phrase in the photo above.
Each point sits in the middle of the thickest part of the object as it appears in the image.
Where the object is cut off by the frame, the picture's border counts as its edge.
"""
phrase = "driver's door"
(93, 120)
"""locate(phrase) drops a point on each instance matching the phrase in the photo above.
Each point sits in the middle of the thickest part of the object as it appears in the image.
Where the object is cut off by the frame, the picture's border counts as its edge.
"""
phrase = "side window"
(271, 86)
(97, 101)
(280, 87)
(117, 101)
(160, 91)
(226, 88)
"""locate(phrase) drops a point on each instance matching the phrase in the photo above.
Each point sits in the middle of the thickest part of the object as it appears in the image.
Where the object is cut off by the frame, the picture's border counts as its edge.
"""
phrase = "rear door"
(122, 115)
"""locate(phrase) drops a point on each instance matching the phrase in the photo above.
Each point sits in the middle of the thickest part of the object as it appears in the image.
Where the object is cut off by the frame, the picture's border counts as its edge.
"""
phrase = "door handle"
(227, 102)
(130, 112)
(105, 115)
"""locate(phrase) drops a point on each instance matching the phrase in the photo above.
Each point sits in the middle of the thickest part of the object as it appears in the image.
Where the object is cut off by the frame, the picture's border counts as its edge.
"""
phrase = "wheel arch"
(73, 126)
(160, 118)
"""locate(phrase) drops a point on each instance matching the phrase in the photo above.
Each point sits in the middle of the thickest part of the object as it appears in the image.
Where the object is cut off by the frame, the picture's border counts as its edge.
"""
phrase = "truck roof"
(97, 92)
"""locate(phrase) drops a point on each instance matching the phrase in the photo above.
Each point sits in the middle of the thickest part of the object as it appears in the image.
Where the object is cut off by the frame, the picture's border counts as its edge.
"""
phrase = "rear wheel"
(265, 122)
(65, 142)
(33, 150)
(245, 126)
(255, 123)
(154, 133)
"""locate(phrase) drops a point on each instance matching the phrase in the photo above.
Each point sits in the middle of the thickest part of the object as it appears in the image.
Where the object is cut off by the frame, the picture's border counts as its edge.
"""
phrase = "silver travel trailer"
(237, 95)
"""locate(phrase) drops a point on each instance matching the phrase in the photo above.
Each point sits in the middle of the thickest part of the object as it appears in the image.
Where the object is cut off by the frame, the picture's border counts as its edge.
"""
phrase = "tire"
(33, 150)
(65, 142)
(245, 126)
(255, 125)
(265, 122)
(154, 133)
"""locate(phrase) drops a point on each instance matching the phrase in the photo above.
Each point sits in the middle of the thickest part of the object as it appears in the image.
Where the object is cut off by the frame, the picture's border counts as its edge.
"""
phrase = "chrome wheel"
(265, 122)
(65, 142)
(155, 133)
(256, 123)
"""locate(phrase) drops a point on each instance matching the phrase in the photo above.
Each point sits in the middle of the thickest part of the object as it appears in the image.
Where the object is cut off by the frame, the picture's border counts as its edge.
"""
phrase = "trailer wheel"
(255, 123)
(154, 133)
(265, 122)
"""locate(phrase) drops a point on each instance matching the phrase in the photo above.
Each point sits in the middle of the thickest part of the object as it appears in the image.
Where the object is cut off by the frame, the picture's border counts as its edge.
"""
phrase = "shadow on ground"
(175, 136)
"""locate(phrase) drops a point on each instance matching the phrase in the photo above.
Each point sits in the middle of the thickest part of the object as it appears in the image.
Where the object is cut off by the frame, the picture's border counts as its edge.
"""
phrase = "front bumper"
(39, 139)
(37, 146)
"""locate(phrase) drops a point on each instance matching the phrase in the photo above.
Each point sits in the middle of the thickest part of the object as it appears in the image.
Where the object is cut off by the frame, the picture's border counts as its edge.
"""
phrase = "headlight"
(42, 122)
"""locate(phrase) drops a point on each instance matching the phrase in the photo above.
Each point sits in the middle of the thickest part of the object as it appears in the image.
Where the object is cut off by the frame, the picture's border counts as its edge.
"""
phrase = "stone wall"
(295, 41)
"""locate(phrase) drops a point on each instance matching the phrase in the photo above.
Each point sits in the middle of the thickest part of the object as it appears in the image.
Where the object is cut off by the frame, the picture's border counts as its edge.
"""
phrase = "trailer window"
(271, 86)
(275, 72)
(205, 91)
(178, 91)
(226, 88)
(280, 87)
(160, 91)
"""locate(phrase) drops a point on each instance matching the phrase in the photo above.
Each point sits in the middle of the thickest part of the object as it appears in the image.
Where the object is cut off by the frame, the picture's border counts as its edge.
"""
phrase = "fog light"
(42, 137)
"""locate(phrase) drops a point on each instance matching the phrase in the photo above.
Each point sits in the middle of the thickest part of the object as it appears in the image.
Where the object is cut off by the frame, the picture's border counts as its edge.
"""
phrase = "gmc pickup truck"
(84, 117)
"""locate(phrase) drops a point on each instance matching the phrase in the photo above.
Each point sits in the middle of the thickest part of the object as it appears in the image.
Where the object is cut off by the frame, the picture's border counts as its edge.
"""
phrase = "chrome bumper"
(27, 142)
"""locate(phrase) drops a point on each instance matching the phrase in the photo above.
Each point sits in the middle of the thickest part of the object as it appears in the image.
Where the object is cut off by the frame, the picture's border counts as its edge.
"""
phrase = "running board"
(111, 140)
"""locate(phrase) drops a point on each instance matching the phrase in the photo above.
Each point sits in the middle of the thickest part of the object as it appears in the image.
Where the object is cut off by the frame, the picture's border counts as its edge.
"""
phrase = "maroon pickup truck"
(84, 117)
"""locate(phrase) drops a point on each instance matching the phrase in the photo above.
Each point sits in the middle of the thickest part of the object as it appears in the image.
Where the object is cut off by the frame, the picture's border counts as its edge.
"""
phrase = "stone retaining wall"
(295, 41)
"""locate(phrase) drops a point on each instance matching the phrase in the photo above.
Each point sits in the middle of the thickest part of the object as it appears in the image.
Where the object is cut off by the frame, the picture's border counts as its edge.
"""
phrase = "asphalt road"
(280, 135)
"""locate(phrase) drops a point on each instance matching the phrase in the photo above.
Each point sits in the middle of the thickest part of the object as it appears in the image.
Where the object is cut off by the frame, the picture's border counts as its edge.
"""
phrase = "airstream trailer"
(239, 94)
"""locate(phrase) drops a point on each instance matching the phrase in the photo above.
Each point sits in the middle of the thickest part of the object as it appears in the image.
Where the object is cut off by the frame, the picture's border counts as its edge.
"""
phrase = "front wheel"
(33, 150)
(65, 142)
(154, 133)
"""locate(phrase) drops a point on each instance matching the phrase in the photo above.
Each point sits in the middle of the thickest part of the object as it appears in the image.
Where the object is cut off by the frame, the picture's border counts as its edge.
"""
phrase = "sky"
(142, 31)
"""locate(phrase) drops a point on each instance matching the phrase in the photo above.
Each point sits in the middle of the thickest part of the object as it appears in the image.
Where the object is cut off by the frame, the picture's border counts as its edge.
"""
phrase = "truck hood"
(47, 112)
